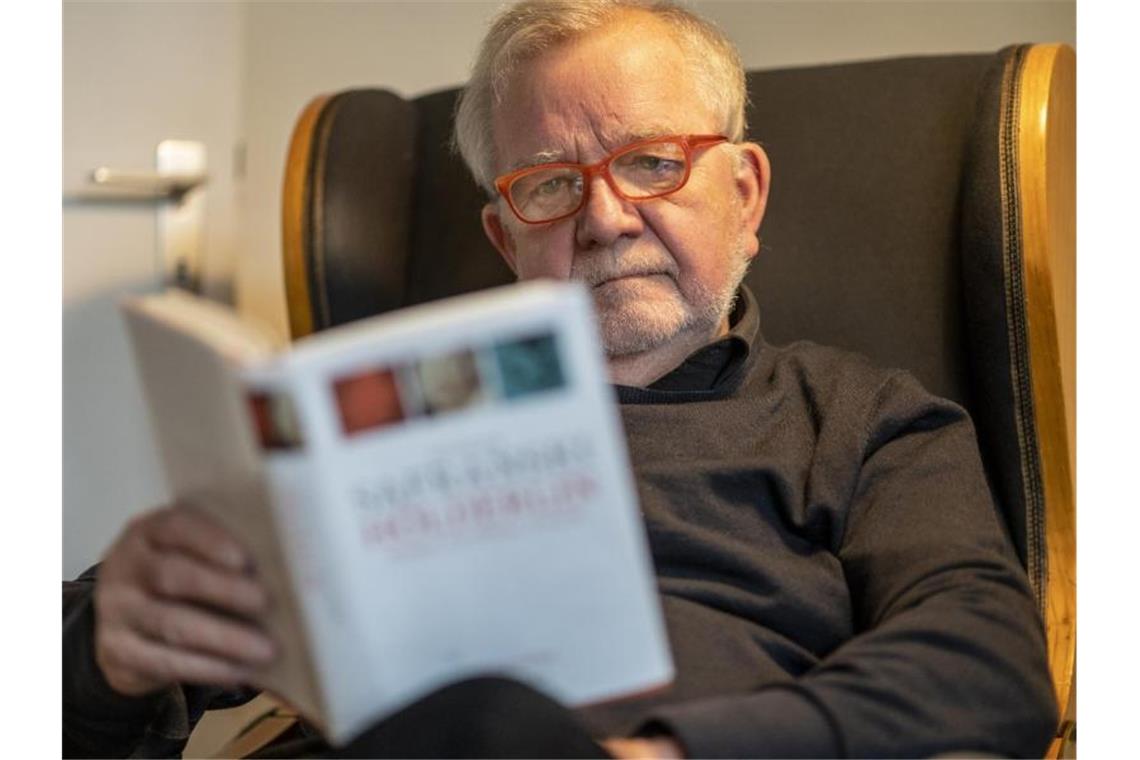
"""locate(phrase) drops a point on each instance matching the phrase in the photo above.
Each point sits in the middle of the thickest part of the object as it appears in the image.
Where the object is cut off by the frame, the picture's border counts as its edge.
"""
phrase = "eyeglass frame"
(689, 144)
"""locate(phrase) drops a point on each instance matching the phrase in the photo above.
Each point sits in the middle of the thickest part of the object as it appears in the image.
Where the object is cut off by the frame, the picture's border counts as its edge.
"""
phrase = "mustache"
(608, 264)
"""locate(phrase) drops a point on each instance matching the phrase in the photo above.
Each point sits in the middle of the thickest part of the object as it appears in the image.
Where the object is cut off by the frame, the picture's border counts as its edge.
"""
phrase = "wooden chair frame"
(1045, 131)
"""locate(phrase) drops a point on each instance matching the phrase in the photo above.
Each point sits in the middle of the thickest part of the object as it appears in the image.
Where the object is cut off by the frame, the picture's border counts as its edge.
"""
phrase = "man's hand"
(650, 748)
(172, 605)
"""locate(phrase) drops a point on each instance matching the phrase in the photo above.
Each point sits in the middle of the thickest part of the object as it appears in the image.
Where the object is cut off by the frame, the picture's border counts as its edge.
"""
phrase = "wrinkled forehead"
(589, 95)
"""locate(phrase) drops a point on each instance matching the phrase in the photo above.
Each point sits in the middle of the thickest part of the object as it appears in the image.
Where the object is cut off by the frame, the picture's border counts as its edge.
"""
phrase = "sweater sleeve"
(100, 722)
(949, 652)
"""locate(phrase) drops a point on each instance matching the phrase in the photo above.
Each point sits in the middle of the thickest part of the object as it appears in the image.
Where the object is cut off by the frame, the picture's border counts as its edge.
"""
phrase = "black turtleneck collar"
(711, 369)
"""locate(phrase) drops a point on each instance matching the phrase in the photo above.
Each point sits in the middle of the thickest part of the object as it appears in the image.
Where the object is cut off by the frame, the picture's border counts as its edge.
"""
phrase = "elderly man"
(833, 575)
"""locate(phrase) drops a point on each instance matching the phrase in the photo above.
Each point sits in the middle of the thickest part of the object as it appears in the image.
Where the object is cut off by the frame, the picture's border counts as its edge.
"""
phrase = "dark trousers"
(478, 718)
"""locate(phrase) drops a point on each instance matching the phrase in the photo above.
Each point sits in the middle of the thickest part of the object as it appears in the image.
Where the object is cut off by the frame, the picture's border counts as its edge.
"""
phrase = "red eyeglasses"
(645, 169)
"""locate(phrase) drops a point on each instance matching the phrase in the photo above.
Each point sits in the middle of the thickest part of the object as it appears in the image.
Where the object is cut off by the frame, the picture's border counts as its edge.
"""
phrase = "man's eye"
(545, 193)
(648, 163)
(551, 186)
(652, 163)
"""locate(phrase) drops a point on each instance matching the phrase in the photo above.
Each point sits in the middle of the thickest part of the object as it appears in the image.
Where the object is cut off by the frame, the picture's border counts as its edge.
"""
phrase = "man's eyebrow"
(542, 157)
(646, 133)
(625, 138)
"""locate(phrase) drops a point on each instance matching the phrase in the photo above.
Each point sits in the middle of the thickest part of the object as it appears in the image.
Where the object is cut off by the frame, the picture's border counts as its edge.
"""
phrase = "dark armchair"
(922, 212)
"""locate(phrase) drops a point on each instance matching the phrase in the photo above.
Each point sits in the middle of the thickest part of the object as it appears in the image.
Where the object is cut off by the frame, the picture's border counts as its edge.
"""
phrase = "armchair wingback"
(922, 212)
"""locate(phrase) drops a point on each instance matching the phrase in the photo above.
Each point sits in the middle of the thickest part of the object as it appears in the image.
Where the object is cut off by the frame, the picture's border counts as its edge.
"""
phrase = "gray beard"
(632, 327)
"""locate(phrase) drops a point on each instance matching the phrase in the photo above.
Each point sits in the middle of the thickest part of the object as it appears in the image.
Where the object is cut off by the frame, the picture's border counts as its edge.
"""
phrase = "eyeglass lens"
(644, 171)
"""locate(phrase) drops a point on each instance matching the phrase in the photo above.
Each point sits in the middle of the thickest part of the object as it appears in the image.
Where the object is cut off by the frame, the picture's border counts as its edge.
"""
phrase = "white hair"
(526, 29)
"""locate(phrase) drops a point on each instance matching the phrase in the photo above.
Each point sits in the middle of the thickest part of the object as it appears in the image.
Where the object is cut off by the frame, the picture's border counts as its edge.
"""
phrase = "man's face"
(662, 271)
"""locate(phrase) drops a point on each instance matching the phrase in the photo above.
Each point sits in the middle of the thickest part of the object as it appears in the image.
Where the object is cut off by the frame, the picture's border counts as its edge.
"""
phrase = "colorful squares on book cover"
(275, 421)
(529, 365)
(368, 400)
(449, 382)
(445, 383)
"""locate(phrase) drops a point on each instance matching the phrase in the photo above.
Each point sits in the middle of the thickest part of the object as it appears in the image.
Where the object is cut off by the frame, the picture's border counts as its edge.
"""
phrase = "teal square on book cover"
(529, 365)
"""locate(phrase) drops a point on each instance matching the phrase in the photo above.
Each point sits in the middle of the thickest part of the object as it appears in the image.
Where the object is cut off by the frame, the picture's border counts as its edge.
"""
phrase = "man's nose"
(606, 217)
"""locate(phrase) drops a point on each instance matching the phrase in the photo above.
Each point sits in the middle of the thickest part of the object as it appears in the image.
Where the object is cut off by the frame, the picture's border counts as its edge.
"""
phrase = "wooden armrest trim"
(295, 220)
(1046, 168)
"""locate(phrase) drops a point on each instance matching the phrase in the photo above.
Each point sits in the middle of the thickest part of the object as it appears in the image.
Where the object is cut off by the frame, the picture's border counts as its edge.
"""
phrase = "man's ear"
(499, 236)
(753, 179)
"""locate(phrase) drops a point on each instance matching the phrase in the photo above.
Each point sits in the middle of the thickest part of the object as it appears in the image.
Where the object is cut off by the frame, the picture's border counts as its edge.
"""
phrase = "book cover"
(431, 494)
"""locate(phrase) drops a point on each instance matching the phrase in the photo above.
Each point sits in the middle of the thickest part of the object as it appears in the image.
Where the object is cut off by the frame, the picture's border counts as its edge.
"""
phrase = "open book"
(429, 495)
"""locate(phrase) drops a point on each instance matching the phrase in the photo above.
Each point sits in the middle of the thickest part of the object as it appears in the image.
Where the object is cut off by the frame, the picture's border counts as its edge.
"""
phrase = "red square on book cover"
(368, 400)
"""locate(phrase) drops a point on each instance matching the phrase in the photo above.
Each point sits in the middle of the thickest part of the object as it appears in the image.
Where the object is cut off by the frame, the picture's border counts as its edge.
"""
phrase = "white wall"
(799, 32)
(241, 72)
(133, 75)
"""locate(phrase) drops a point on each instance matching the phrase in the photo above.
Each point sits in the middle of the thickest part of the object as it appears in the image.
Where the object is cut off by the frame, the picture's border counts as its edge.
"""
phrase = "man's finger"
(184, 627)
(154, 661)
(179, 577)
(191, 531)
